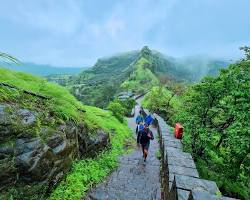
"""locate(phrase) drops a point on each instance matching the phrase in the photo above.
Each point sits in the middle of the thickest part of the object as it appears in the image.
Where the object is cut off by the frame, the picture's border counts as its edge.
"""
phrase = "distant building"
(125, 95)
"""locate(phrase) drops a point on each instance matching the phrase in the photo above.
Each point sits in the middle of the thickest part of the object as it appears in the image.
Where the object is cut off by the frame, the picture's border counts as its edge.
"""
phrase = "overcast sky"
(77, 32)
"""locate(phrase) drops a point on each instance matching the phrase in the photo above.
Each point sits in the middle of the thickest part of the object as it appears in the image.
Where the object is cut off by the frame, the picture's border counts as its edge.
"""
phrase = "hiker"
(145, 135)
(138, 128)
(148, 119)
(139, 120)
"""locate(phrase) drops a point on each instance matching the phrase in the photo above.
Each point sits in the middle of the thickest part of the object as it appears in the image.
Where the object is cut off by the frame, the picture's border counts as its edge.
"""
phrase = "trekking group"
(144, 134)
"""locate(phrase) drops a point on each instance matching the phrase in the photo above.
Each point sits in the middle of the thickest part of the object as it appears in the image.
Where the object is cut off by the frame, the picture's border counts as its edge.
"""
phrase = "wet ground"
(134, 179)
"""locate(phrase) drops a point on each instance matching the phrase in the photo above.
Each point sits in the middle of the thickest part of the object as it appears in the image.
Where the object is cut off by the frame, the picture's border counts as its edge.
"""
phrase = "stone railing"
(179, 176)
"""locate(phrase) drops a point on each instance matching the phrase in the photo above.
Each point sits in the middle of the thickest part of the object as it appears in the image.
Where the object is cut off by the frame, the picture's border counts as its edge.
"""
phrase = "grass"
(63, 104)
(158, 154)
(88, 172)
(142, 78)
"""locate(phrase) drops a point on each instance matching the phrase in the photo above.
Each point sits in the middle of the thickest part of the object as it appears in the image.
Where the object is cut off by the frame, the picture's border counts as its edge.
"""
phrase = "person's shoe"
(145, 159)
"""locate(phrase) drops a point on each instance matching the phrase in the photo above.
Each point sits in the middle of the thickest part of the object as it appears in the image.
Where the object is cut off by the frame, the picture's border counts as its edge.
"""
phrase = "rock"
(27, 117)
(7, 173)
(5, 117)
(41, 153)
(190, 183)
(197, 195)
(183, 194)
(91, 143)
(173, 169)
(183, 162)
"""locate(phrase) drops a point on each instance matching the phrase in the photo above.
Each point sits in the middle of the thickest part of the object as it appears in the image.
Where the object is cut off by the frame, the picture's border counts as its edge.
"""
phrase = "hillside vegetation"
(60, 101)
(46, 124)
(135, 71)
(216, 119)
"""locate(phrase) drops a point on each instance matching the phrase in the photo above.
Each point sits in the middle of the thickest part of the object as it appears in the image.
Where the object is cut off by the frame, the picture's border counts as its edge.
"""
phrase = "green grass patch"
(88, 172)
(158, 154)
(61, 102)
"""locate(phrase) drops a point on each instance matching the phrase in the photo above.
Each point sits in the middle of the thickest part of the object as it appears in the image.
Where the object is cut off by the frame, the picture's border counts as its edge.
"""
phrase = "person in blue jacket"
(139, 121)
(148, 119)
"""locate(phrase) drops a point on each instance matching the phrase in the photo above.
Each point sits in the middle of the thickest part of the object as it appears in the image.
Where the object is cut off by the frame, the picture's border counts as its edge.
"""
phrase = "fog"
(77, 33)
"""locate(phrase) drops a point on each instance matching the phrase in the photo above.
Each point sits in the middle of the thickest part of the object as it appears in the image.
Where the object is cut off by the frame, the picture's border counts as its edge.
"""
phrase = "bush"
(117, 109)
(128, 105)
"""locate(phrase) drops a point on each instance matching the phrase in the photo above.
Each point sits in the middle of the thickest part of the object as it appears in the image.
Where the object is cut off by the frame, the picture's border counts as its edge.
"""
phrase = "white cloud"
(114, 26)
(75, 32)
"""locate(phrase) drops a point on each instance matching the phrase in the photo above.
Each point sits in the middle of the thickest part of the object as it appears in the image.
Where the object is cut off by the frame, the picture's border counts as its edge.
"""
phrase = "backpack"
(148, 119)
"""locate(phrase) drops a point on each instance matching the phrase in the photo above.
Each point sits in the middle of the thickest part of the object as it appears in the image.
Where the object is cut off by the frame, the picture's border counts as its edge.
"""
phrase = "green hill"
(127, 71)
(135, 71)
(42, 70)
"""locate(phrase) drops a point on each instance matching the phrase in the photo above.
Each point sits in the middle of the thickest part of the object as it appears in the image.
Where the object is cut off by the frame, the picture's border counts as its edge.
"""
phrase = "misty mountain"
(42, 70)
(135, 71)
(202, 66)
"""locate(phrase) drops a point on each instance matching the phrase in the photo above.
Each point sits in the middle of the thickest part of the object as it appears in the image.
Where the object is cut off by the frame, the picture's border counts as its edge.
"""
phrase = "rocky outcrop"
(33, 150)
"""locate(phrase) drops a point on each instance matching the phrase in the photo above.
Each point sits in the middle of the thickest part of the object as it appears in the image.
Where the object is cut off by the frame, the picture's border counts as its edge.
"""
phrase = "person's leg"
(143, 150)
(146, 151)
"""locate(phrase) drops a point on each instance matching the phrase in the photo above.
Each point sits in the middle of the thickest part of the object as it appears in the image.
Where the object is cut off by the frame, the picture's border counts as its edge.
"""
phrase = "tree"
(215, 114)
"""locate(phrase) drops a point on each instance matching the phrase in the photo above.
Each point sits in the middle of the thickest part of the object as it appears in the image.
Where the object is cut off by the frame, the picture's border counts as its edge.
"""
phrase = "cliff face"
(32, 154)
(42, 130)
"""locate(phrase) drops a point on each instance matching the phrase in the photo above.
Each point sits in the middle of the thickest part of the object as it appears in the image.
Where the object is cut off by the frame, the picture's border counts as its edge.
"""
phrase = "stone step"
(191, 183)
(182, 194)
(173, 143)
(183, 162)
(167, 137)
(175, 152)
(177, 170)
(201, 195)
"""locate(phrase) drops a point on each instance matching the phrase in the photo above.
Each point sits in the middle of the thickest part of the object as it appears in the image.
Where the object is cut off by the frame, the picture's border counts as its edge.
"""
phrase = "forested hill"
(133, 71)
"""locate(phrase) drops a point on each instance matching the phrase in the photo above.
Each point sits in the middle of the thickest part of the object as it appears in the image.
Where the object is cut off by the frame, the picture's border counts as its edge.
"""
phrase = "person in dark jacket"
(139, 127)
(144, 136)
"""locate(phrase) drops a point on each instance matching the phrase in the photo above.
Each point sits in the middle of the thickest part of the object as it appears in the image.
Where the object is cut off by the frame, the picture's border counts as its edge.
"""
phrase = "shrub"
(117, 109)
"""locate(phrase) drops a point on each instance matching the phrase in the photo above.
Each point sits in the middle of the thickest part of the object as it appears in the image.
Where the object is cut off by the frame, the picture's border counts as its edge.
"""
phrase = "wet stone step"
(183, 162)
(183, 194)
(167, 137)
(177, 153)
(190, 183)
(173, 143)
(183, 171)
(201, 195)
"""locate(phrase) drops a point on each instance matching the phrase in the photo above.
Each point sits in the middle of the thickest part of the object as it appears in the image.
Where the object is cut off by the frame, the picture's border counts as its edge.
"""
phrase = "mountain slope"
(135, 71)
(42, 70)
(44, 133)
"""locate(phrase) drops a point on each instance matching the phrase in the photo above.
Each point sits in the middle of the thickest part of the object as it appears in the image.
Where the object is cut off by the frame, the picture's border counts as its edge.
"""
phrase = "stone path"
(134, 179)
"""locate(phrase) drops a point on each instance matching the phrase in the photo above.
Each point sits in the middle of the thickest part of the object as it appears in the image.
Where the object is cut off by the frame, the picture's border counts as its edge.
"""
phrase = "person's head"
(146, 126)
(140, 112)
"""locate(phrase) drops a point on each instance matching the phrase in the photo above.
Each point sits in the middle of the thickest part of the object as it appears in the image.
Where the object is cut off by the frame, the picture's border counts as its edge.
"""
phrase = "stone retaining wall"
(180, 178)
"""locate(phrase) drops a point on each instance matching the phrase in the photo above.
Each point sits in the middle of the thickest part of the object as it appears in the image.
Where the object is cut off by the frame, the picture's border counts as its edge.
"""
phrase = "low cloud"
(78, 32)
